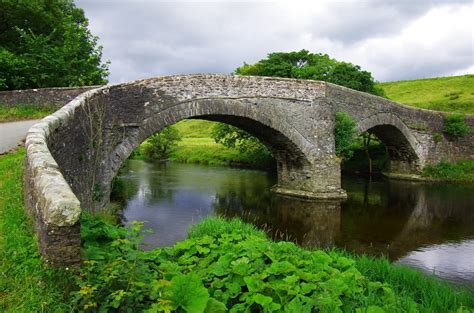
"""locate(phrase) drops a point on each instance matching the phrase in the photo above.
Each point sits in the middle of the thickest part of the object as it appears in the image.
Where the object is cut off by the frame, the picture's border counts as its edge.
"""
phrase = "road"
(12, 133)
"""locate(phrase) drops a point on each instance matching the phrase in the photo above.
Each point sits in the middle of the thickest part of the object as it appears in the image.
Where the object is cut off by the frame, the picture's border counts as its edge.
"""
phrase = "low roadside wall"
(57, 96)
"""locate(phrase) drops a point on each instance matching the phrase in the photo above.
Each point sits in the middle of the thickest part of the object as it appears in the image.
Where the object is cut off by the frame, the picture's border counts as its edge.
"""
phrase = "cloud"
(392, 39)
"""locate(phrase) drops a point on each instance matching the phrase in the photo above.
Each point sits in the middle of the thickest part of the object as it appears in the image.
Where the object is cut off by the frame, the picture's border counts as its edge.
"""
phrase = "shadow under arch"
(402, 146)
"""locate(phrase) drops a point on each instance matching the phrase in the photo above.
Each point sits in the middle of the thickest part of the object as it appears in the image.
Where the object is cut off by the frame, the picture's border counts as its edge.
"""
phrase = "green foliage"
(23, 112)
(233, 137)
(448, 94)
(305, 65)
(158, 145)
(460, 171)
(237, 269)
(434, 295)
(345, 134)
(47, 43)
(455, 125)
(27, 284)
(358, 163)
(437, 137)
(217, 225)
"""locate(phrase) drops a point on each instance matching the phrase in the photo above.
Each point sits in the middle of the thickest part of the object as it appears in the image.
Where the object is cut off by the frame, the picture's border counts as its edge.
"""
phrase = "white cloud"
(392, 39)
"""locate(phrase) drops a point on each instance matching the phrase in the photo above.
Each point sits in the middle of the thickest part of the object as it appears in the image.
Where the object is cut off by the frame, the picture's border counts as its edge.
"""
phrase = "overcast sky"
(394, 39)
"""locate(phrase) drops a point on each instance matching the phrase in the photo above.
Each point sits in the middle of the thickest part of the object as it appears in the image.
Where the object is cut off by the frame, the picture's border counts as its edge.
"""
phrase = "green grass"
(462, 171)
(195, 128)
(213, 226)
(24, 112)
(447, 94)
(26, 284)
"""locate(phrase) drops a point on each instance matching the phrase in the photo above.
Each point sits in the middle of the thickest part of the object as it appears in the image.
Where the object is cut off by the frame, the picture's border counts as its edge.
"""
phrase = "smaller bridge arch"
(403, 148)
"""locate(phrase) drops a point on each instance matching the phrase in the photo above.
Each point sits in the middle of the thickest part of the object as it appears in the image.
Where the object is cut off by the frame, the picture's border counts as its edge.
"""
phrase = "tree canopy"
(46, 43)
(305, 65)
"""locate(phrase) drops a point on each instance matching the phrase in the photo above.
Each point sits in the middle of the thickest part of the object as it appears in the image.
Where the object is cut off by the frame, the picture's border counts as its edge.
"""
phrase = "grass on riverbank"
(26, 284)
(462, 171)
(454, 94)
(24, 112)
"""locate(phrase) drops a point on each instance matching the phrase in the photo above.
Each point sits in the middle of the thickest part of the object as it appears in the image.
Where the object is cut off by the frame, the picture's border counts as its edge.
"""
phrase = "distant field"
(195, 128)
(448, 94)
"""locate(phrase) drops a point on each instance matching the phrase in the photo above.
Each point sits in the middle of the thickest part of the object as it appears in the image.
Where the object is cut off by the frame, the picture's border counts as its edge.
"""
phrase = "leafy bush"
(224, 268)
(345, 135)
(158, 145)
(455, 125)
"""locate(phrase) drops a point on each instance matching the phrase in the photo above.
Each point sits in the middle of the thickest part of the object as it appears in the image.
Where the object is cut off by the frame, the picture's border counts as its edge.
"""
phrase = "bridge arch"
(292, 151)
(403, 148)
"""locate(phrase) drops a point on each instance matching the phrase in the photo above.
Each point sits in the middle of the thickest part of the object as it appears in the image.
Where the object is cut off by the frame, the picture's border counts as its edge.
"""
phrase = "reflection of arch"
(403, 148)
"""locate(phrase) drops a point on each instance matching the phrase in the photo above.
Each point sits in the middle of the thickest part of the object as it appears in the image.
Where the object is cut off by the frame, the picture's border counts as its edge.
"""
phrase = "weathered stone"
(73, 155)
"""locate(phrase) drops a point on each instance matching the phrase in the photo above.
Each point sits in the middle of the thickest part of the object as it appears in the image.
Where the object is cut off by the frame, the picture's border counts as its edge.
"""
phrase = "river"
(426, 226)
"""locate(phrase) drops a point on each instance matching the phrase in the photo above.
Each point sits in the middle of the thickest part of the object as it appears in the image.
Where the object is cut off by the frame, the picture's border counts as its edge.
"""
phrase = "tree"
(233, 137)
(305, 65)
(158, 145)
(46, 43)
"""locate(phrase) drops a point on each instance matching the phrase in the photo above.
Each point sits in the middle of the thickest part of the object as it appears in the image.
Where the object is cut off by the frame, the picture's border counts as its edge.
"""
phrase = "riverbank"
(220, 255)
(228, 264)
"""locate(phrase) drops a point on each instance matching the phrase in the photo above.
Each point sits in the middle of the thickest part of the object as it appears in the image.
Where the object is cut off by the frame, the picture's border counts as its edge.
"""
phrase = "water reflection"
(425, 226)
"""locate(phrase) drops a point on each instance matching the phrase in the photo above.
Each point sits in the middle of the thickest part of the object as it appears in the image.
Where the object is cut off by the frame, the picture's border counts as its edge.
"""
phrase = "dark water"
(426, 226)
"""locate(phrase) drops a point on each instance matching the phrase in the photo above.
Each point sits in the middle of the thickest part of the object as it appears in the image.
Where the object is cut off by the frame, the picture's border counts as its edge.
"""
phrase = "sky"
(393, 39)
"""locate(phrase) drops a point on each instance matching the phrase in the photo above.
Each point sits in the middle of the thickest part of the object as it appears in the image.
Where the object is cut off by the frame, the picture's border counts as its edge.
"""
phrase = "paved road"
(12, 133)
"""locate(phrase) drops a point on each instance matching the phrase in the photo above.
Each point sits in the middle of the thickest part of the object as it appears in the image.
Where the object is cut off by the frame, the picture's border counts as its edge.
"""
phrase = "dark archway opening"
(381, 149)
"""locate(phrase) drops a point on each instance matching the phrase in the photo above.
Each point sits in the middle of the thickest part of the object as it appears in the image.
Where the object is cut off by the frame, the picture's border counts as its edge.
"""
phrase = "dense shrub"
(455, 125)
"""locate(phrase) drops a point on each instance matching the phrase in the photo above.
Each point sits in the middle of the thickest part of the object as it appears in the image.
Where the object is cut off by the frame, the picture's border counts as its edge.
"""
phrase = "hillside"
(448, 94)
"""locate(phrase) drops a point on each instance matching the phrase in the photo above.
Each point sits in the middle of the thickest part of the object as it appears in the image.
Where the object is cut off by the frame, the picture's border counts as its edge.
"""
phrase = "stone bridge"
(74, 154)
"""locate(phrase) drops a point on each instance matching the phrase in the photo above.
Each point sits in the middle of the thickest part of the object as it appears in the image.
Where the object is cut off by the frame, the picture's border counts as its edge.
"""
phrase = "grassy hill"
(448, 94)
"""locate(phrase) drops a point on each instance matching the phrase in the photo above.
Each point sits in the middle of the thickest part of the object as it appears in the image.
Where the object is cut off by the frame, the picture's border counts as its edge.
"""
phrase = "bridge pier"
(319, 180)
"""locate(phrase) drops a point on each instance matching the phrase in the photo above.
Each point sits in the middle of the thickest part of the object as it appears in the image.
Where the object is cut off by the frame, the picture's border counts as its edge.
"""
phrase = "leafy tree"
(233, 137)
(345, 135)
(46, 43)
(158, 145)
(305, 65)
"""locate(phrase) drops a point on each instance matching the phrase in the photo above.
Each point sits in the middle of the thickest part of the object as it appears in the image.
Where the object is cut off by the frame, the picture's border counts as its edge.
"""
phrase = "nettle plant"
(226, 272)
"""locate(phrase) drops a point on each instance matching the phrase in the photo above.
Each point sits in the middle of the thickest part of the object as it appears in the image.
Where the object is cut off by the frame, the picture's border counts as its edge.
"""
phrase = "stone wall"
(42, 96)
